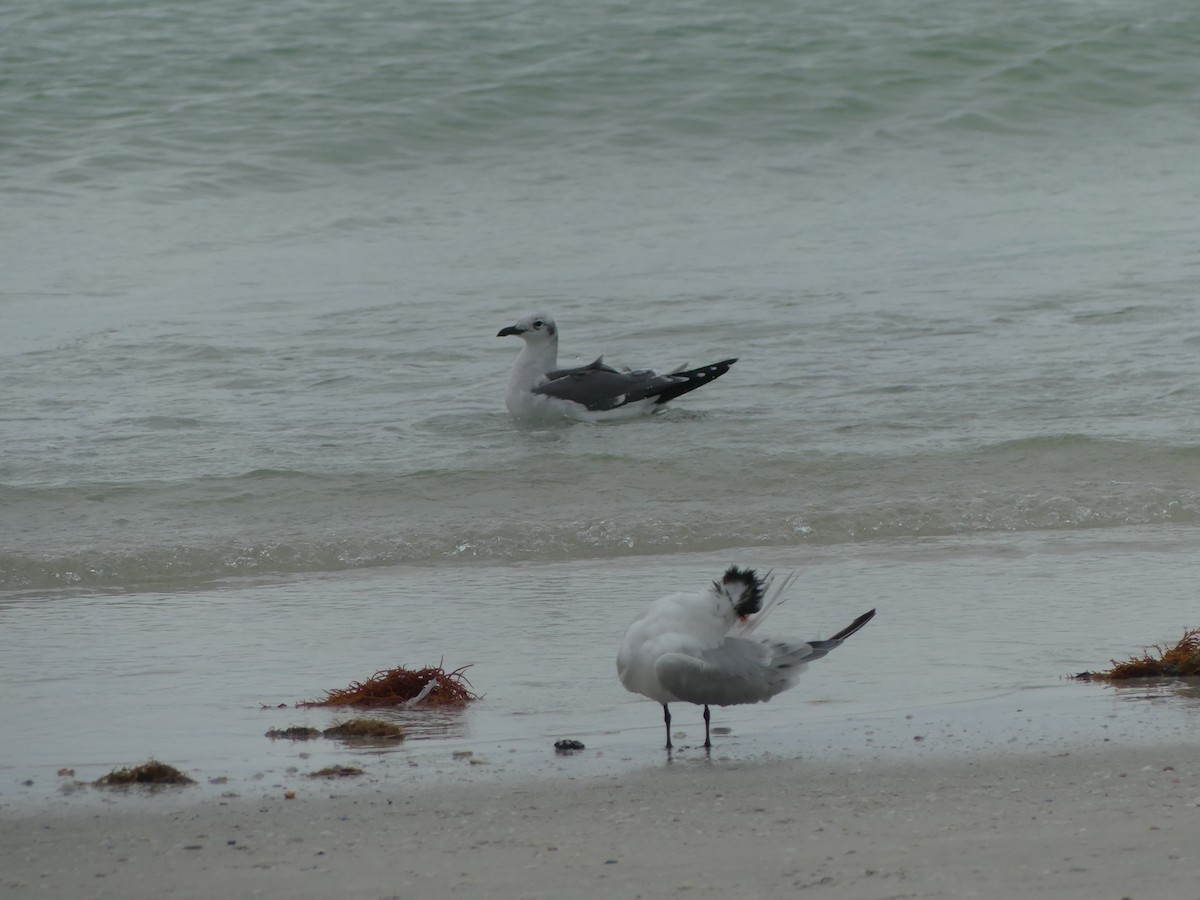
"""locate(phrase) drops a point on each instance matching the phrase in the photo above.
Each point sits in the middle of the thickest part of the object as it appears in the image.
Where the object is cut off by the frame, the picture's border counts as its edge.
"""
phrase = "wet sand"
(1101, 822)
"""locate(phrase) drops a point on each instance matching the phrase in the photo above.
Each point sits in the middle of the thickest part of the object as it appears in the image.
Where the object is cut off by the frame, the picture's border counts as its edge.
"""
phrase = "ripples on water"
(563, 504)
(198, 88)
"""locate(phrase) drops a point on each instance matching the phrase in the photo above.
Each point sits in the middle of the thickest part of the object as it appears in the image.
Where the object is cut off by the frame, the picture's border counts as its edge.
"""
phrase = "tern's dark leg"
(707, 742)
(667, 719)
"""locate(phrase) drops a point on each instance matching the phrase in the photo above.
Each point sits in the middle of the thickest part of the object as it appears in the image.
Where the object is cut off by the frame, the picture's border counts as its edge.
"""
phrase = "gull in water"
(539, 390)
(700, 647)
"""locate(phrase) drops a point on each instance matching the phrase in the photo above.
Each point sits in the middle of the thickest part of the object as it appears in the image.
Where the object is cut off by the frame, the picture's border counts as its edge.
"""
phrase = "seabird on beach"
(538, 390)
(698, 648)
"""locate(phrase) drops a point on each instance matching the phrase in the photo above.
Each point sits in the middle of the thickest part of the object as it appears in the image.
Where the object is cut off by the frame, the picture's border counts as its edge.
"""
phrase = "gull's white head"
(535, 329)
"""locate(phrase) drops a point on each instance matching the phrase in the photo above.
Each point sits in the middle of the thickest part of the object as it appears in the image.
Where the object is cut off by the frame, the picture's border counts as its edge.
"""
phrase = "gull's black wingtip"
(682, 382)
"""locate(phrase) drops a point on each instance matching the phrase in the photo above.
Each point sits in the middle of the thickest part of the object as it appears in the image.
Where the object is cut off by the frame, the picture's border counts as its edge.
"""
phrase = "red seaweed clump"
(1178, 661)
(431, 686)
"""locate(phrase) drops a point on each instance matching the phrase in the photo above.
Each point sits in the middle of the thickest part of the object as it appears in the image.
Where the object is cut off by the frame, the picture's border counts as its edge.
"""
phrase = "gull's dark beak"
(511, 329)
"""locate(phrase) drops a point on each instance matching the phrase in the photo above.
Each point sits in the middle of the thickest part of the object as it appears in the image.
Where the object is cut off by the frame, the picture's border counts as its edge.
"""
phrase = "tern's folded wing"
(738, 671)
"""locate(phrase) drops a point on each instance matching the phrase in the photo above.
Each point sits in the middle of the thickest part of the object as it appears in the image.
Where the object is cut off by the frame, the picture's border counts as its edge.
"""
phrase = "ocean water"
(253, 442)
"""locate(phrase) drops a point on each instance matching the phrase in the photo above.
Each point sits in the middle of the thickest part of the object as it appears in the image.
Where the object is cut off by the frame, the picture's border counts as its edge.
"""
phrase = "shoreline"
(1101, 821)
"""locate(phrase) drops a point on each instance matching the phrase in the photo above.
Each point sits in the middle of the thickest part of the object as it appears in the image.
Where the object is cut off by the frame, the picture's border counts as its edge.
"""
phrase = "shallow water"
(970, 652)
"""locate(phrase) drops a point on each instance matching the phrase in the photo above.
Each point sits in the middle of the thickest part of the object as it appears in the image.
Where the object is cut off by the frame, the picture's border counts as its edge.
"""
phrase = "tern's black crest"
(744, 588)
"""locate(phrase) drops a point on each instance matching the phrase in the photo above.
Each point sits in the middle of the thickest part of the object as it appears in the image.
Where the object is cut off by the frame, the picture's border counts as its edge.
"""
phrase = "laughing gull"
(539, 390)
(697, 648)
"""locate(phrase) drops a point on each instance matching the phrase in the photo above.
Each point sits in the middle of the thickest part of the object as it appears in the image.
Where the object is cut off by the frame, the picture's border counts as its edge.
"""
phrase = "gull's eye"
(537, 324)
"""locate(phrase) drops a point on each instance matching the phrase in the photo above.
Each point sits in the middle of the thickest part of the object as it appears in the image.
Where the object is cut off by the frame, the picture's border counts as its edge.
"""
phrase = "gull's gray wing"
(599, 387)
(596, 365)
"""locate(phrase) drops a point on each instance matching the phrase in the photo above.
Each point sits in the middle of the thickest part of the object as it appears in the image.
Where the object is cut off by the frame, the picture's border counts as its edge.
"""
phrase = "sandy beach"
(1102, 822)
